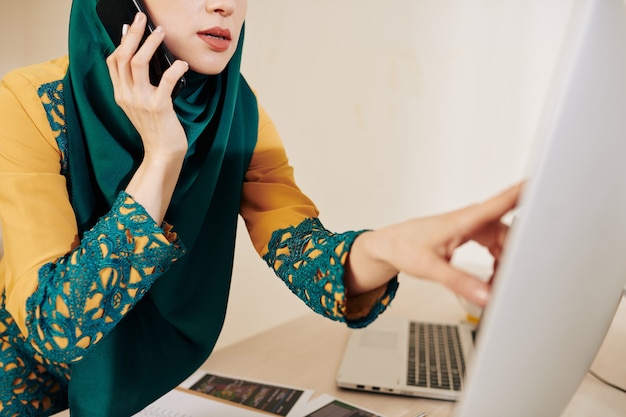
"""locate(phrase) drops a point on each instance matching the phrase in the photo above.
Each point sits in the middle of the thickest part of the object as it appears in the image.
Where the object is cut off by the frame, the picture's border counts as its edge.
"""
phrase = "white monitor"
(564, 267)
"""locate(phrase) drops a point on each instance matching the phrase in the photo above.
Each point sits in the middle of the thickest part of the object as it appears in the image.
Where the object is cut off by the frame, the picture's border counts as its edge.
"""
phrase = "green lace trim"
(27, 388)
(84, 294)
(310, 260)
(51, 95)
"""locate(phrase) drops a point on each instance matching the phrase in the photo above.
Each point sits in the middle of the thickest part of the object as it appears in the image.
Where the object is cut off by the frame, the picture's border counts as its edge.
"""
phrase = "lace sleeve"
(84, 294)
(310, 260)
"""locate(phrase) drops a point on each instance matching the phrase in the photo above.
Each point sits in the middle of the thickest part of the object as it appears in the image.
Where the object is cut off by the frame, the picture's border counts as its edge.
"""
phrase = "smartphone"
(115, 13)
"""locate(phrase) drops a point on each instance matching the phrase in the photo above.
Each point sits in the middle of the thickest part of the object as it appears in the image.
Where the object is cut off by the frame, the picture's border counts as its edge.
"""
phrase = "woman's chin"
(212, 68)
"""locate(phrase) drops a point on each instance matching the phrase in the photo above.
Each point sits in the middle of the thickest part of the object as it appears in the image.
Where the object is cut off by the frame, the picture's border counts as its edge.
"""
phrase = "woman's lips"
(218, 39)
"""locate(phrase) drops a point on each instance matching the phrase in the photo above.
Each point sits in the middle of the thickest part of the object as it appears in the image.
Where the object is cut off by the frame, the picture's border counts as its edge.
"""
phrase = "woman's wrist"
(368, 266)
(154, 182)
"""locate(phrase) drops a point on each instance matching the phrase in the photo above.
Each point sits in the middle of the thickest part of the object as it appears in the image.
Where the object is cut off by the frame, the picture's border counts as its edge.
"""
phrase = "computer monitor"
(564, 267)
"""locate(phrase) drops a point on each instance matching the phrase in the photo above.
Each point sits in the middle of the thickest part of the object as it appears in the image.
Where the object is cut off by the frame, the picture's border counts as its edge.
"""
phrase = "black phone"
(115, 13)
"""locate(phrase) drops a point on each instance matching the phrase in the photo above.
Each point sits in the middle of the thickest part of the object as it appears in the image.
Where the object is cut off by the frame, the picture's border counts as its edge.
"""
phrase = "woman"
(118, 208)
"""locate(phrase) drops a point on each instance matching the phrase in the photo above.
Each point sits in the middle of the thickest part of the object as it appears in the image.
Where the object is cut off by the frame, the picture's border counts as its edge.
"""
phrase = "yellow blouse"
(39, 228)
(36, 216)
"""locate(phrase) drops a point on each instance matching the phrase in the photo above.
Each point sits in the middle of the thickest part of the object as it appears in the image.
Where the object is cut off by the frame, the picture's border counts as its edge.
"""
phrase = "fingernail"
(482, 296)
(138, 16)
(125, 27)
(159, 29)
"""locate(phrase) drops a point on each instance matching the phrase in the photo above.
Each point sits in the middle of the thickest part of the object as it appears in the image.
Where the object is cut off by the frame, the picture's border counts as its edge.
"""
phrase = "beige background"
(388, 109)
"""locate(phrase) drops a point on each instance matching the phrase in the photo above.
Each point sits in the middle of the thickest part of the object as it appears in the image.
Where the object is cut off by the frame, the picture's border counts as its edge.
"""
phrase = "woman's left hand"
(423, 247)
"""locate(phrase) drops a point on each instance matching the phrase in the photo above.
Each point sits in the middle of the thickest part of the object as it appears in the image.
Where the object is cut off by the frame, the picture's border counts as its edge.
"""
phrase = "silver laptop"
(396, 355)
(564, 267)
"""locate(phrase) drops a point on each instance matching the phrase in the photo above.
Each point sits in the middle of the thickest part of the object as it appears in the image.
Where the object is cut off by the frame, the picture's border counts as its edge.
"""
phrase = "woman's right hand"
(151, 111)
(149, 108)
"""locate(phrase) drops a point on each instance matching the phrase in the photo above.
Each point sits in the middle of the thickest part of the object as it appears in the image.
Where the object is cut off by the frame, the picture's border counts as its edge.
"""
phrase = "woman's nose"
(223, 7)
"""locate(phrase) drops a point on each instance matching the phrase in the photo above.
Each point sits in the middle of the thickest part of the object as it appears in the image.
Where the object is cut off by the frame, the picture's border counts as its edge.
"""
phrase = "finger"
(492, 236)
(171, 77)
(495, 243)
(111, 61)
(462, 283)
(477, 216)
(496, 264)
(118, 61)
(497, 206)
(125, 28)
(131, 36)
(140, 63)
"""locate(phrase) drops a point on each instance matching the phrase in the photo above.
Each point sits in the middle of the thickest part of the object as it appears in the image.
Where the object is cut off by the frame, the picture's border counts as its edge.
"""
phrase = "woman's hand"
(151, 111)
(423, 247)
(149, 108)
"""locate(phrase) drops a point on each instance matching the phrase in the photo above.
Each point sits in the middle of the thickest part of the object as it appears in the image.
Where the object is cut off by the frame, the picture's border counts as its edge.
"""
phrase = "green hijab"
(173, 329)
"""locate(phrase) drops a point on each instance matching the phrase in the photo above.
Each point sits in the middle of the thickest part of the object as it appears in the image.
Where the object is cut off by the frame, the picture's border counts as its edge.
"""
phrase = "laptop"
(563, 271)
(398, 355)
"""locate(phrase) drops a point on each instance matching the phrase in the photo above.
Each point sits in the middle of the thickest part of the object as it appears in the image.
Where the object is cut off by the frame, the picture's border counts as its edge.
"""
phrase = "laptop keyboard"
(435, 356)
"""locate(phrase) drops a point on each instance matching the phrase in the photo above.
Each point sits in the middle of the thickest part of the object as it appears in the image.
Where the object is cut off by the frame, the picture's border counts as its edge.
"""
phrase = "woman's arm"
(285, 229)
(151, 111)
(65, 293)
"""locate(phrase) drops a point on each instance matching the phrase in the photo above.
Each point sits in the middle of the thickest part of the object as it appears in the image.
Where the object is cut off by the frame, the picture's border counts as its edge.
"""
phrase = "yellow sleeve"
(271, 199)
(285, 230)
(54, 285)
(37, 221)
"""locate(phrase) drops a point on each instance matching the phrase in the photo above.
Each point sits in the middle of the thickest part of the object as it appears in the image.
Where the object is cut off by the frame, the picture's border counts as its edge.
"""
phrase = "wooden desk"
(306, 351)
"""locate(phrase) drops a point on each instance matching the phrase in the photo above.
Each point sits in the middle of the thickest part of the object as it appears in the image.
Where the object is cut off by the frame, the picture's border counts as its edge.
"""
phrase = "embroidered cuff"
(365, 308)
(84, 294)
(310, 260)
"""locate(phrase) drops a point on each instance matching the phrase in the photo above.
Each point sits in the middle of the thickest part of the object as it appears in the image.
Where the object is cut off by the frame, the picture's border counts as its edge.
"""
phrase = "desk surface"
(306, 351)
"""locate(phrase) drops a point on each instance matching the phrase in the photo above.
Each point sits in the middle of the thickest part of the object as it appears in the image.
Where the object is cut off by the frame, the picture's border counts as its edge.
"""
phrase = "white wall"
(395, 109)
(388, 109)
(32, 31)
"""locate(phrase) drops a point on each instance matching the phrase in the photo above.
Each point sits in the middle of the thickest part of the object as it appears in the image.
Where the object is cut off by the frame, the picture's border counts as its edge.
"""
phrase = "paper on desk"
(225, 396)
(178, 403)
(207, 394)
